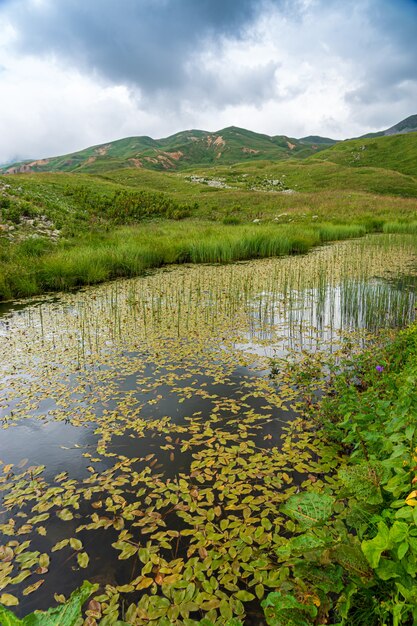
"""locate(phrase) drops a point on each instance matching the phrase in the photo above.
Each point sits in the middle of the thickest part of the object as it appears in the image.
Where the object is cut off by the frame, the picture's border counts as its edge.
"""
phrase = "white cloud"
(48, 109)
(305, 67)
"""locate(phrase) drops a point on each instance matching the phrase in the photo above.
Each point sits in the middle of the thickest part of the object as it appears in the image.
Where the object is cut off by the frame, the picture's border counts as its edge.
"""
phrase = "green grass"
(397, 153)
(34, 267)
(401, 227)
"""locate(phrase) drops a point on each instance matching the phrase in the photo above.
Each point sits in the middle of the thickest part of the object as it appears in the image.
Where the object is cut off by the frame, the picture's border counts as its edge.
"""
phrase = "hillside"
(395, 152)
(182, 150)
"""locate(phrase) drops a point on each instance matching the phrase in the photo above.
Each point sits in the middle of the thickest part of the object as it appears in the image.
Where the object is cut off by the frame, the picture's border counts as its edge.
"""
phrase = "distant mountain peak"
(408, 125)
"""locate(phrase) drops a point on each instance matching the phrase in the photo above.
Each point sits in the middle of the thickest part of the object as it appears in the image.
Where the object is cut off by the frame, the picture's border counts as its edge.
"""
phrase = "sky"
(75, 73)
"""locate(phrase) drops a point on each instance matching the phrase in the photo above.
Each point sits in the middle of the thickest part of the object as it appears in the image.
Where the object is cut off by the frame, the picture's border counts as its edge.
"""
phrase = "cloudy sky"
(74, 73)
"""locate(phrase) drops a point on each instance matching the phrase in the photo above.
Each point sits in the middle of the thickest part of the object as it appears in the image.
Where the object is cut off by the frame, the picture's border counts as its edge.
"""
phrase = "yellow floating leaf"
(76, 544)
(83, 559)
(8, 600)
(65, 515)
(33, 587)
(144, 583)
(60, 545)
(59, 597)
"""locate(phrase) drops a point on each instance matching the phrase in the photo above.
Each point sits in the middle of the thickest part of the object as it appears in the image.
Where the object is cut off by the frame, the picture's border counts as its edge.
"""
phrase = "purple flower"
(379, 368)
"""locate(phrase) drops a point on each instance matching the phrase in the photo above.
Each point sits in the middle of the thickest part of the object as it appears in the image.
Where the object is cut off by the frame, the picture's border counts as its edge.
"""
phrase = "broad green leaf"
(309, 508)
(8, 619)
(373, 548)
(388, 569)
(284, 610)
(64, 615)
(398, 532)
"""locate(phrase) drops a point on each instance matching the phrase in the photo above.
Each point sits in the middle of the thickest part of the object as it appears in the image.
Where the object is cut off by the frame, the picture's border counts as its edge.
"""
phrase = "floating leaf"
(65, 515)
(83, 559)
(75, 544)
(60, 545)
(8, 599)
(31, 588)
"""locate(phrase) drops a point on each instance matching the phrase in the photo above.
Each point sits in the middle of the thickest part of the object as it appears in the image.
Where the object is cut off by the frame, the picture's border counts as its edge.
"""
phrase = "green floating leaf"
(8, 600)
(230, 622)
(65, 515)
(244, 596)
(83, 559)
(309, 508)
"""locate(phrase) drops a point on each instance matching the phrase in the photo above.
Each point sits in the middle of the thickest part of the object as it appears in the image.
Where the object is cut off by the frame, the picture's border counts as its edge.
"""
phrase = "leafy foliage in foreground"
(67, 614)
(356, 556)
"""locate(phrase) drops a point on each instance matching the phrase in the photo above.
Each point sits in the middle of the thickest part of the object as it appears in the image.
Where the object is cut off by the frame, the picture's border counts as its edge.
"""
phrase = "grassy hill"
(397, 153)
(182, 150)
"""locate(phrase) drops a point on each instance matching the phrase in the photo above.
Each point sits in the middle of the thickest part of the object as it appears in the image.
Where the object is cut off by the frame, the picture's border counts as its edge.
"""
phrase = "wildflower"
(379, 368)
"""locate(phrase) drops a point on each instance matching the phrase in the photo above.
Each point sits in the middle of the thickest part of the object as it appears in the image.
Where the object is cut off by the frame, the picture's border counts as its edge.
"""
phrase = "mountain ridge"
(184, 149)
(193, 148)
(407, 125)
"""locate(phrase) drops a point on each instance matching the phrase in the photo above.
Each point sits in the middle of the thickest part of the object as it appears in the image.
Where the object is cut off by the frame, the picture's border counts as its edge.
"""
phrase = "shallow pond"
(144, 445)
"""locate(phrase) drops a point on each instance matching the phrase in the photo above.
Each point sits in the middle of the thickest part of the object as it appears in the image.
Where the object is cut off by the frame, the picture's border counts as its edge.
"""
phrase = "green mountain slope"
(182, 150)
(396, 152)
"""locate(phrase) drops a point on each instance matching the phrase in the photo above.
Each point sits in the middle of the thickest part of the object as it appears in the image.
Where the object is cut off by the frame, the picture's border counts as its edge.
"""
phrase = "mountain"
(199, 148)
(318, 140)
(184, 149)
(409, 125)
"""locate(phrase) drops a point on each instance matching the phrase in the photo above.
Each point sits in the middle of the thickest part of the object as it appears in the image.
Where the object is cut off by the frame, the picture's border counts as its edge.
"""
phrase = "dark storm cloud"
(145, 43)
(157, 47)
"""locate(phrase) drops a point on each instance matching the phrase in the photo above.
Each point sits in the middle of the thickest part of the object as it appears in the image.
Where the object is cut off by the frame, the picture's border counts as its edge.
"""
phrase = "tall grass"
(334, 232)
(26, 270)
(402, 228)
